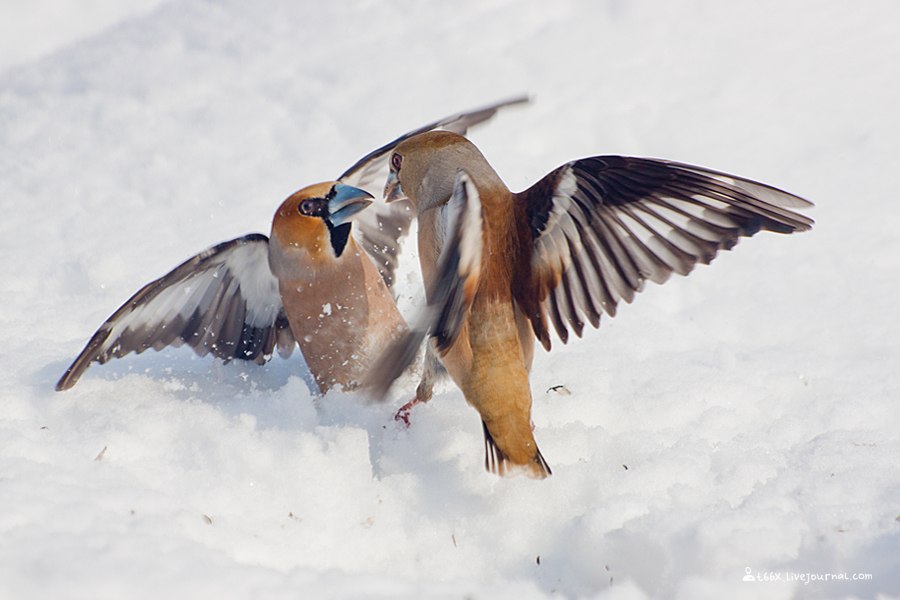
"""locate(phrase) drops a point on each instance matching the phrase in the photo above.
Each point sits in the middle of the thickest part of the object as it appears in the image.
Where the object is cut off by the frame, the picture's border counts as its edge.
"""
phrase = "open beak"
(392, 190)
(346, 201)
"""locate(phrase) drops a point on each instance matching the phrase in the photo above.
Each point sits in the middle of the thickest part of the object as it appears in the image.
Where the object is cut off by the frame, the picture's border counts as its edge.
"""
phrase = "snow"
(745, 416)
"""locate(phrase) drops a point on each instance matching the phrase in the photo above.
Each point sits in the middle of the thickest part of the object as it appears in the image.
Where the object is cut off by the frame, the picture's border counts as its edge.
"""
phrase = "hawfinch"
(318, 281)
(502, 268)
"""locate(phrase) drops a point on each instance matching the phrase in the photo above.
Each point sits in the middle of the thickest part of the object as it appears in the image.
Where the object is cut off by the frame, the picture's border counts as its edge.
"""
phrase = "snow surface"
(746, 416)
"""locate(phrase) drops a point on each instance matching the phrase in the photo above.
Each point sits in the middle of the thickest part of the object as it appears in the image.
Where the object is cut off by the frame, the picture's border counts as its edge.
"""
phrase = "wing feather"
(380, 228)
(602, 226)
(450, 293)
(223, 301)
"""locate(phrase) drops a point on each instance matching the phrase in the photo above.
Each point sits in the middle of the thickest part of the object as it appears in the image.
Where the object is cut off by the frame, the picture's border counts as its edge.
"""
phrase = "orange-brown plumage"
(308, 233)
(311, 284)
(491, 355)
(502, 268)
(339, 308)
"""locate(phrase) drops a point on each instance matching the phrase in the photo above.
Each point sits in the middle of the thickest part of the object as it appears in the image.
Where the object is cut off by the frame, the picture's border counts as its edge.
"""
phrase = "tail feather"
(495, 461)
(542, 465)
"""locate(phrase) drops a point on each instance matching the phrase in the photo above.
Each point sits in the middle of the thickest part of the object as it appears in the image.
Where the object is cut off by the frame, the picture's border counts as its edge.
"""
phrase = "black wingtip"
(479, 115)
(84, 359)
(523, 98)
(65, 382)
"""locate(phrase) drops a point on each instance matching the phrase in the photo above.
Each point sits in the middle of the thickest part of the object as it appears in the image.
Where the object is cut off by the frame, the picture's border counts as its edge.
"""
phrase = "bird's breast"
(340, 316)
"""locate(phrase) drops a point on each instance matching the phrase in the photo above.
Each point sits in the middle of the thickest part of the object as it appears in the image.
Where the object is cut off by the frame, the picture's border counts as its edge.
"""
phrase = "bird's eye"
(312, 207)
(396, 161)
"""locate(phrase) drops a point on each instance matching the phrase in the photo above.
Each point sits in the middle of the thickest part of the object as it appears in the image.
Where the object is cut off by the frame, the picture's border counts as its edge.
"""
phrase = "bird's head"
(424, 168)
(317, 218)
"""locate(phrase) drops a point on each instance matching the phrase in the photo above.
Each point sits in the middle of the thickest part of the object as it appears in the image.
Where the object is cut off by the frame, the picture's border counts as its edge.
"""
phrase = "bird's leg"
(423, 394)
(431, 370)
(402, 415)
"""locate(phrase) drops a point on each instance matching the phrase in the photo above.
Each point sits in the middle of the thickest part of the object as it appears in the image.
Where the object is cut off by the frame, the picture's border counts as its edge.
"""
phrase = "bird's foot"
(402, 415)
(423, 395)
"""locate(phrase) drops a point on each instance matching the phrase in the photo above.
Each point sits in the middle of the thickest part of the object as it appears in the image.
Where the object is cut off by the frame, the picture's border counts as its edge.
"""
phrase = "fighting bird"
(320, 281)
(502, 268)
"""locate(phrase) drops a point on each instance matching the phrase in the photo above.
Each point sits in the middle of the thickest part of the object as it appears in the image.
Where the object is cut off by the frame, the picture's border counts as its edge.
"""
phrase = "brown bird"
(318, 281)
(501, 268)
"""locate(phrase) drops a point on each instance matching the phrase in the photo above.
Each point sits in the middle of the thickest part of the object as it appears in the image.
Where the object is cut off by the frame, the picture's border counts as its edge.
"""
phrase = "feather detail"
(223, 301)
(602, 226)
(380, 228)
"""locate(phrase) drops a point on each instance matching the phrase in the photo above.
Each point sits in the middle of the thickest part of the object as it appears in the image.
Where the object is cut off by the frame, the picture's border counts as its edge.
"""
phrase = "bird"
(501, 269)
(322, 280)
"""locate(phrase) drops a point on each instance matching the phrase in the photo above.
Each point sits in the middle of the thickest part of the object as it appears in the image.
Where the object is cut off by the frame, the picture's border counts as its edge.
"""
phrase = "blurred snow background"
(36, 28)
(746, 416)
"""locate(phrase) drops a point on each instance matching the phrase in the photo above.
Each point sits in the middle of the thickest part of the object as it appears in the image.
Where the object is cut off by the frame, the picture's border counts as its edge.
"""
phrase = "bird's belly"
(341, 328)
(488, 361)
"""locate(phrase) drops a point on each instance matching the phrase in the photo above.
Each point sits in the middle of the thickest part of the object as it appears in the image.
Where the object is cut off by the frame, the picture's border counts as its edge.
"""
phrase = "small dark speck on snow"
(560, 389)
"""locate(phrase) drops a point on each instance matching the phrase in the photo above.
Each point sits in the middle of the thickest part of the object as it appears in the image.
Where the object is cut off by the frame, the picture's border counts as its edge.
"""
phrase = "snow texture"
(744, 417)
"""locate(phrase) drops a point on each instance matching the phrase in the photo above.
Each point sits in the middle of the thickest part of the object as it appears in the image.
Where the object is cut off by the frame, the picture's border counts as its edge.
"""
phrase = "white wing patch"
(459, 265)
(604, 225)
(451, 292)
(258, 285)
(464, 220)
(224, 301)
(378, 229)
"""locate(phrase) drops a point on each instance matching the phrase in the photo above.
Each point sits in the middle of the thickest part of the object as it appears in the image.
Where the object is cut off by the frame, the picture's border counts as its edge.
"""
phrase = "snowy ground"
(746, 416)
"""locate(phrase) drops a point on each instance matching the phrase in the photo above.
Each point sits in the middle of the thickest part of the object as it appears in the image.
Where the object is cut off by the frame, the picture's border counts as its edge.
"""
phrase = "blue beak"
(346, 201)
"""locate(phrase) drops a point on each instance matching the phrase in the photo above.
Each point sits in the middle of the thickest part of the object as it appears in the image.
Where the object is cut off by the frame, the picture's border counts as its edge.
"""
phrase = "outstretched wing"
(450, 293)
(380, 228)
(224, 301)
(603, 225)
(372, 169)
